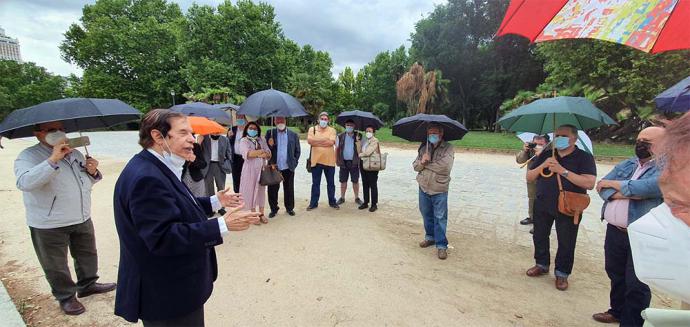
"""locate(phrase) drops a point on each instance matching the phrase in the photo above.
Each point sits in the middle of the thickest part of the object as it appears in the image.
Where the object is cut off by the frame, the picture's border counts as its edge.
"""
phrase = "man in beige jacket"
(433, 164)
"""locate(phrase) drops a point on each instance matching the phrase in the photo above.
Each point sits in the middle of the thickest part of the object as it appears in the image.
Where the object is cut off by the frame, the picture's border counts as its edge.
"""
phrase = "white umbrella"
(583, 140)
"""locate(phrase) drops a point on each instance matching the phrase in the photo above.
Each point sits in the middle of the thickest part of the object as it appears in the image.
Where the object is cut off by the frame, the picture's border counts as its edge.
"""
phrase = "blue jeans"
(316, 184)
(434, 209)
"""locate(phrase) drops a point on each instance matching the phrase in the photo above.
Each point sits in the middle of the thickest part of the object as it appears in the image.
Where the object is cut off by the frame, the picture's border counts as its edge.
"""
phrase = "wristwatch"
(565, 174)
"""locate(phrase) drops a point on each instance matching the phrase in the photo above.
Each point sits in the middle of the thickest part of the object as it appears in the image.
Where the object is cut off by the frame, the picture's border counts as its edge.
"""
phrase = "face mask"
(173, 160)
(241, 122)
(539, 147)
(642, 150)
(281, 127)
(660, 245)
(323, 123)
(252, 133)
(215, 137)
(349, 129)
(53, 138)
(370, 135)
(562, 142)
(433, 138)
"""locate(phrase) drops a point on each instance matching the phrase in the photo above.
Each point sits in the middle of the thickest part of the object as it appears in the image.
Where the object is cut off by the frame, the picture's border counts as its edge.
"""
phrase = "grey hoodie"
(54, 197)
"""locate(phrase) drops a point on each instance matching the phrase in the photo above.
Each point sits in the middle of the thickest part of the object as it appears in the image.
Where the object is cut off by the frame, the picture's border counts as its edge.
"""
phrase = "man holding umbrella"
(56, 181)
(285, 146)
(347, 159)
(577, 171)
(433, 166)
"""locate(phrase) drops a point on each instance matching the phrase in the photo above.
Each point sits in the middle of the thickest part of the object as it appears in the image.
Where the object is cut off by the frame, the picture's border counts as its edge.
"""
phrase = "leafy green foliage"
(24, 85)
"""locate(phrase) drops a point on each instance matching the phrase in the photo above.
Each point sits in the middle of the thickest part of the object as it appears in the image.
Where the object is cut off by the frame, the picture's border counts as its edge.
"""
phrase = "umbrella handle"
(546, 175)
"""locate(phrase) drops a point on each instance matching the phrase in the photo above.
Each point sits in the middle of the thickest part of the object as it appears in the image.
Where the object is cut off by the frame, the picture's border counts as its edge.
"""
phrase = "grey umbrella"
(76, 114)
(272, 103)
(202, 109)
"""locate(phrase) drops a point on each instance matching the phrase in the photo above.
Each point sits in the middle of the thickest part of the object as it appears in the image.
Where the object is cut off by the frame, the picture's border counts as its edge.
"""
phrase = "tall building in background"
(9, 47)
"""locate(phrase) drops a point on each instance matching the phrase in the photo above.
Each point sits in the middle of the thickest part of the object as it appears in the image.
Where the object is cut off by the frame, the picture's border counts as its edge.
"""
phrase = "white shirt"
(214, 150)
(215, 203)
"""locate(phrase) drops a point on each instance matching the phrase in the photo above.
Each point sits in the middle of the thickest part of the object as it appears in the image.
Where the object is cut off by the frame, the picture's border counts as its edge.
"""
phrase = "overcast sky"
(352, 31)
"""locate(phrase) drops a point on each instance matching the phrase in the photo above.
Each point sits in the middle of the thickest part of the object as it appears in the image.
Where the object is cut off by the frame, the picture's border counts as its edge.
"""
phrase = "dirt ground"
(326, 268)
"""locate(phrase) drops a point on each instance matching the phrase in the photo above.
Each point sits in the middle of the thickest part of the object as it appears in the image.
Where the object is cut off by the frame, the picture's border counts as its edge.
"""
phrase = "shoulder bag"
(571, 203)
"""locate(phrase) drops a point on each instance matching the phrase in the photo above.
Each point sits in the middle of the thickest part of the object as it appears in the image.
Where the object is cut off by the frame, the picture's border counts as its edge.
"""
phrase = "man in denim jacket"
(629, 191)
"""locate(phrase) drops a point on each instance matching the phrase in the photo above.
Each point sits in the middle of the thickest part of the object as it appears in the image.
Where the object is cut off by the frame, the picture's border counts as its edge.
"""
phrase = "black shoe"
(531, 231)
(310, 208)
(363, 206)
(335, 206)
(359, 201)
(526, 221)
(291, 212)
(272, 214)
(373, 208)
(341, 201)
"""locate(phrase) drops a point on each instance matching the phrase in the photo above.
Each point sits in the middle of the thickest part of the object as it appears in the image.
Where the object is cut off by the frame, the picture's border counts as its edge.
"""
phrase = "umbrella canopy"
(272, 103)
(583, 140)
(545, 115)
(648, 25)
(76, 114)
(226, 106)
(205, 126)
(675, 99)
(415, 128)
(362, 119)
(204, 110)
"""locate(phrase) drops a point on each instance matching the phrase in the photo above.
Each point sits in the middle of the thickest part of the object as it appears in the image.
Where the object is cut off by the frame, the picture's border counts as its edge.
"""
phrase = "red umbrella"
(648, 25)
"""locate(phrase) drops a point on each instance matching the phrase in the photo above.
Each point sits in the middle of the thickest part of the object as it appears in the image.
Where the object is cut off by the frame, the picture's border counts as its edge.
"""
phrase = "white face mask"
(54, 138)
(660, 245)
(323, 123)
(281, 127)
(370, 135)
(173, 160)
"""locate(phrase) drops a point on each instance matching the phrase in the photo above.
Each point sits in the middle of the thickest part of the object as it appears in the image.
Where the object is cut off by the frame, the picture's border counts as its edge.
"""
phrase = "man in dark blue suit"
(285, 146)
(167, 261)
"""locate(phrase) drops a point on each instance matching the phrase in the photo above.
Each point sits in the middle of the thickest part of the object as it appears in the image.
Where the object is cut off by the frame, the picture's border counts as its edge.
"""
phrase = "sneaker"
(373, 208)
(358, 201)
(340, 201)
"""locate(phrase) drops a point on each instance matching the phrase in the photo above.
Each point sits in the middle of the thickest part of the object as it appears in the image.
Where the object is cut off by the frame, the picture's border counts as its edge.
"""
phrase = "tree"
(26, 84)
(375, 84)
(127, 50)
(423, 92)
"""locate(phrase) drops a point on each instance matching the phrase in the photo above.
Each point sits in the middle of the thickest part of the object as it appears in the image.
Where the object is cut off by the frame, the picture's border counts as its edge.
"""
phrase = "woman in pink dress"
(255, 152)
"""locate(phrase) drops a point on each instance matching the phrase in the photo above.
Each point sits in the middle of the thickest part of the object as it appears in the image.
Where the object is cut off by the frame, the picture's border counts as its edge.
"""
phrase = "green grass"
(507, 141)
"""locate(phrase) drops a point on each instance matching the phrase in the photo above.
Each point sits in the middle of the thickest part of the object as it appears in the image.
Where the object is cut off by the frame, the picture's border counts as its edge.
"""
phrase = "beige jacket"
(434, 176)
(372, 147)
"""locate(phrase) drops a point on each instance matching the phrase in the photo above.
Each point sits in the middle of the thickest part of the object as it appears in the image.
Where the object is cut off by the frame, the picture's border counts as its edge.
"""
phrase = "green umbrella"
(545, 115)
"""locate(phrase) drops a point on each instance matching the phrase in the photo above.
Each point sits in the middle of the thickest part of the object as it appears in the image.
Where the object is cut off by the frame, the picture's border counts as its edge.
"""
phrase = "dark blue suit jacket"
(167, 261)
(293, 148)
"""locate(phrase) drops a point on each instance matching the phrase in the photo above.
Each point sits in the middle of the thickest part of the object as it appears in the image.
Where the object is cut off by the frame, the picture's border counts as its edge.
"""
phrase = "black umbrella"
(272, 103)
(204, 110)
(76, 114)
(226, 106)
(415, 128)
(362, 119)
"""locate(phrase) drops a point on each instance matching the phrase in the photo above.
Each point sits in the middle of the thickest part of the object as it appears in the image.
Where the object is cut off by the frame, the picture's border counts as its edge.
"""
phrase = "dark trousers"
(370, 184)
(194, 319)
(51, 249)
(237, 163)
(215, 174)
(316, 184)
(629, 296)
(288, 192)
(566, 232)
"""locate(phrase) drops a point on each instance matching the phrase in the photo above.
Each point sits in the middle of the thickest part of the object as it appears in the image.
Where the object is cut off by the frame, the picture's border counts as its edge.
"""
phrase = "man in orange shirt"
(321, 138)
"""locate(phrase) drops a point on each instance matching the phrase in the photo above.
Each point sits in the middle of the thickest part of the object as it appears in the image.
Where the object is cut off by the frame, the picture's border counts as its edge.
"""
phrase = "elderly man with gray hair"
(433, 165)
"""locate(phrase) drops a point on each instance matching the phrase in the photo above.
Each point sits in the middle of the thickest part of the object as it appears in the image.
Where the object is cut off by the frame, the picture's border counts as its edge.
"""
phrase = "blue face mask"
(349, 129)
(241, 122)
(433, 138)
(252, 132)
(323, 123)
(561, 142)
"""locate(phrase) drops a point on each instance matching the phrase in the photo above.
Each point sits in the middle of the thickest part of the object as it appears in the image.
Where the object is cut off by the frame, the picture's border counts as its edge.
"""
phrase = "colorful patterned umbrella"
(649, 25)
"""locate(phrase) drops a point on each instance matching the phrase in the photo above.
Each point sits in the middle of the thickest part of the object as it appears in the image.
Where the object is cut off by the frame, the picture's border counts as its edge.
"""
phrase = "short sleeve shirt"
(322, 155)
(578, 162)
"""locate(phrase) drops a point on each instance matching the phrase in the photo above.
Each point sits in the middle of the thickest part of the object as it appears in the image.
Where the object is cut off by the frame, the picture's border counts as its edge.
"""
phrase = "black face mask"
(642, 149)
(215, 137)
